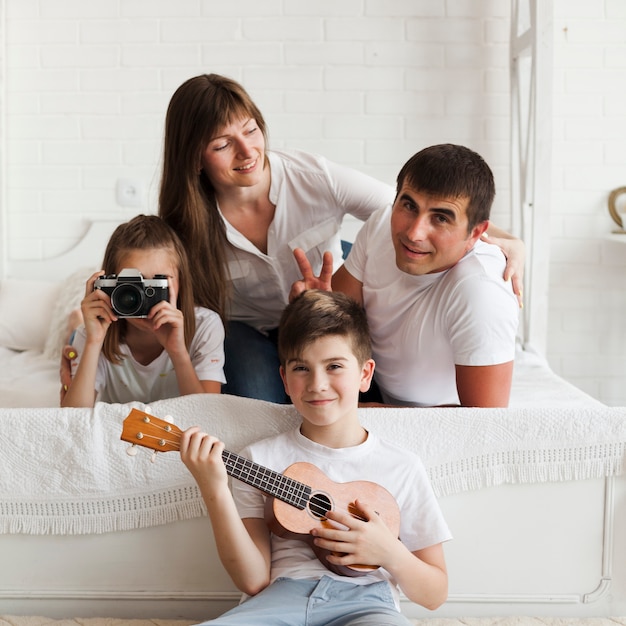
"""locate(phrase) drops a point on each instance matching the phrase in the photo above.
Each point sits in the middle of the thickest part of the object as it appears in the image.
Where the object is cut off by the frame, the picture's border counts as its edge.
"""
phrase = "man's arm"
(346, 283)
(515, 252)
(485, 385)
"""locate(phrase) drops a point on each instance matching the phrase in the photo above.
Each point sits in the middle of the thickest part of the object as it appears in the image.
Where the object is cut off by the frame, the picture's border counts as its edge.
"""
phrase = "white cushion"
(25, 307)
(71, 292)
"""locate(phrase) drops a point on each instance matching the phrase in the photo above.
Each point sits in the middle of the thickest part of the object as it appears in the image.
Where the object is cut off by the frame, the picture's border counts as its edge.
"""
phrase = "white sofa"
(534, 494)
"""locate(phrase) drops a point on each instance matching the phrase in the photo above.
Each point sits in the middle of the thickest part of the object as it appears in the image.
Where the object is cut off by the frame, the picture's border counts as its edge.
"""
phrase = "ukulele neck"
(266, 480)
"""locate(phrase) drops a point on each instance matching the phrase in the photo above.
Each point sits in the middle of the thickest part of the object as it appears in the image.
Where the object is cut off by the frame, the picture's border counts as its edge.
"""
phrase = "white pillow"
(70, 294)
(25, 307)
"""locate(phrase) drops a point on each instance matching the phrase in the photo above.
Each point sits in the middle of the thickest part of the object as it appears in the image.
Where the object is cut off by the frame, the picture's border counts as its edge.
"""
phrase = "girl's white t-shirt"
(132, 381)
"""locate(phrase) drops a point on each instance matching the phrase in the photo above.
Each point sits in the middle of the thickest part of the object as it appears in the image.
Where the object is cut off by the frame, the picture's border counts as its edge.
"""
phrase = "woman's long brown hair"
(198, 110)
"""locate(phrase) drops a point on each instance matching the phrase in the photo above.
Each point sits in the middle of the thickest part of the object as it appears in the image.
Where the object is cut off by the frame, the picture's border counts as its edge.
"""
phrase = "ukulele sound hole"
(319, 504)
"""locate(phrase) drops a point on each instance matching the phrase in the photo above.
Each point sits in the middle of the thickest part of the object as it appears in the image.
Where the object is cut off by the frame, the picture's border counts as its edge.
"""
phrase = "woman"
(241, 211)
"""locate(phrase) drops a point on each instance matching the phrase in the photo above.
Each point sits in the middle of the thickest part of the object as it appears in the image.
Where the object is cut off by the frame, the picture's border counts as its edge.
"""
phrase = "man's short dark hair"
(451, 171)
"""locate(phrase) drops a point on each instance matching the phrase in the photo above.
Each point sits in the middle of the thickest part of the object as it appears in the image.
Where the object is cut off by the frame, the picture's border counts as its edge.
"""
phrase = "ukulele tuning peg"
(131, 450)
(153, 458)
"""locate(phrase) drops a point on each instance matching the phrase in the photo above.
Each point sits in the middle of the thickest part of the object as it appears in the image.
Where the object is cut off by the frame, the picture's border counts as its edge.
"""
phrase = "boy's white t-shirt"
(131, 380)
(400, 471)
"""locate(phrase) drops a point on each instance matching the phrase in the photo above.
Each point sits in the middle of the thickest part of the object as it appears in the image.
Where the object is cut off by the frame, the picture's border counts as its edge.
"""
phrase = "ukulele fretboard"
(268, 481)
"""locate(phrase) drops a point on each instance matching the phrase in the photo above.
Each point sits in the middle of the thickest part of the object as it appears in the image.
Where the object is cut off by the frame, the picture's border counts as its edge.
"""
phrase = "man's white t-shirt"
(399, 471)
(422, 326)
(131, 380)
(312, 195)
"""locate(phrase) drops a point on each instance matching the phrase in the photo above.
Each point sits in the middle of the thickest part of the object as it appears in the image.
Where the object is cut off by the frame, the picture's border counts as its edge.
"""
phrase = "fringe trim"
(103, 515)
(528, 466)
(128, 512)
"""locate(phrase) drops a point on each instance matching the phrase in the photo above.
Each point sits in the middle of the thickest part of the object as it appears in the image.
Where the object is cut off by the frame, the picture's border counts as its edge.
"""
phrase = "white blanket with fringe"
(65, 471)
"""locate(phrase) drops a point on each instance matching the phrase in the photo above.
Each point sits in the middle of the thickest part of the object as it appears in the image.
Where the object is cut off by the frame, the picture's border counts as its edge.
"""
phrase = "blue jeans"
(252, 366)
(324, 602)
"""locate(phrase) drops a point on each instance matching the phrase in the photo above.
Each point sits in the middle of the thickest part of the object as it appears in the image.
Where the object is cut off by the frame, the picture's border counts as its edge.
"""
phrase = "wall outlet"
(129, 192)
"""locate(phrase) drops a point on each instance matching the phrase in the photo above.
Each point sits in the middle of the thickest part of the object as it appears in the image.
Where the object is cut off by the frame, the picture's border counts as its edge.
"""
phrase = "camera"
(131, 295)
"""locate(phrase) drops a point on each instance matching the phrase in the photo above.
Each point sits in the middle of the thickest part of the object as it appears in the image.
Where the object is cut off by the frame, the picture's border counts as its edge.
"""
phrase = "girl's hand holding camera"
(97, 312)
(167, 324)
(163, 320)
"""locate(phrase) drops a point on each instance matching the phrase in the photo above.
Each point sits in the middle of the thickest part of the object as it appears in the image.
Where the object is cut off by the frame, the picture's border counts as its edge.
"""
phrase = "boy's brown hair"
(315, 314)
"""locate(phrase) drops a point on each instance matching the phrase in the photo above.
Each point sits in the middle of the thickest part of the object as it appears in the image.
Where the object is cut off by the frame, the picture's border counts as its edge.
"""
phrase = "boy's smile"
(324, 383)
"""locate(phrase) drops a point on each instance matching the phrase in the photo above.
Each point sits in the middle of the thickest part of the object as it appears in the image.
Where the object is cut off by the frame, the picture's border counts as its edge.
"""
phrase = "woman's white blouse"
(311, 196)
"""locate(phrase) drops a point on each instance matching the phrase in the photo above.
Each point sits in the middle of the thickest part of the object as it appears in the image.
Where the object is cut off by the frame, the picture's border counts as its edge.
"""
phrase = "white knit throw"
(65, 471)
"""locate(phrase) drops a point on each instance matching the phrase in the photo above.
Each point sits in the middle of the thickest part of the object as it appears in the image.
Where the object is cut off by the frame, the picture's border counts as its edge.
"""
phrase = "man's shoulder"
(375, 232)
(483, 261)
(476, 284)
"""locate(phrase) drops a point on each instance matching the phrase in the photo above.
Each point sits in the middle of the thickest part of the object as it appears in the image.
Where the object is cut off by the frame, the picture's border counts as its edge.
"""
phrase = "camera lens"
(126, 299)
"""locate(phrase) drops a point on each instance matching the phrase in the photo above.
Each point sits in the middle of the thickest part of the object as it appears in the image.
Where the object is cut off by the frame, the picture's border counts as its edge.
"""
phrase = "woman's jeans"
(252, 365)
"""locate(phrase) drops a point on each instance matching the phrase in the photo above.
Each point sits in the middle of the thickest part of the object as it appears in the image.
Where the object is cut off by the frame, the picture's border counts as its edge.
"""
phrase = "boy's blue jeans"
(324, 602)
(252, 366)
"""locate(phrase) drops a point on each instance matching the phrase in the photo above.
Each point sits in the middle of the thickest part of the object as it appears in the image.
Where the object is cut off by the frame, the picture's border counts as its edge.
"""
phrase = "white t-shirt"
(156, 381)
(398, 470)
(311, 195)
(422, 326)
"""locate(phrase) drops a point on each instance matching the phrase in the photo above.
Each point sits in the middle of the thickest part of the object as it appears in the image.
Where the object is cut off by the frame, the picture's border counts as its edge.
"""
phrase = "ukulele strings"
(175, 443)
(319, 507)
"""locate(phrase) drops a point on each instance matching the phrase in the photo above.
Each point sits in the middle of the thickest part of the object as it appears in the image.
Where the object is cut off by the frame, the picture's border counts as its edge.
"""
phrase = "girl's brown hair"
(198, 110)
(147, 232)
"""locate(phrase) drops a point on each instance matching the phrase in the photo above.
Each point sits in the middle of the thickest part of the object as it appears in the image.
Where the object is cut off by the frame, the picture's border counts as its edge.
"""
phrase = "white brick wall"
(365, 82)
(587, 340)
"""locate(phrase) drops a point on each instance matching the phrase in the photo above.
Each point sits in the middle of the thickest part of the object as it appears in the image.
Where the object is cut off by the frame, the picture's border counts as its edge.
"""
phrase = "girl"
(175, 350)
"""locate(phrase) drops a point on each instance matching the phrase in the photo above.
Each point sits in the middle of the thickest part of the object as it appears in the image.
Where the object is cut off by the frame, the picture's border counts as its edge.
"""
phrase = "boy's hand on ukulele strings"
(366, 540)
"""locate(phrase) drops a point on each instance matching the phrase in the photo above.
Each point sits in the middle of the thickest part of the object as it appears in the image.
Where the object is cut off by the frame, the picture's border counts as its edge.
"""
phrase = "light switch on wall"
(129, 192)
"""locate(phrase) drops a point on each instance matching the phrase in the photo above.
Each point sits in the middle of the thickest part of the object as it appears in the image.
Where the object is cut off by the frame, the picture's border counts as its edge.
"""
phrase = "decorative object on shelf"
(618, 218)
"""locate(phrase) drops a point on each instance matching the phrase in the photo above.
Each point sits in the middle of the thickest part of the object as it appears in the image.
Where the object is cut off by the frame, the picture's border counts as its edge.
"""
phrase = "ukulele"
(299, 499)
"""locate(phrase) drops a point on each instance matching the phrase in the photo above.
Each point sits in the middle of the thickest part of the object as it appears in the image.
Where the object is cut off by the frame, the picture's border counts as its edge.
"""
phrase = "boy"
(325, 356)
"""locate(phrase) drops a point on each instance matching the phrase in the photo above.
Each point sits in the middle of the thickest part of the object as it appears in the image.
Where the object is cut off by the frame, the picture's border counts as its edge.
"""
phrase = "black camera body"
(131, 295)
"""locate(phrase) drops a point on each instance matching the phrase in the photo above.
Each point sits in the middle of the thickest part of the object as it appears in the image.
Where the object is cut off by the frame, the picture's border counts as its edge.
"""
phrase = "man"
(442, 318)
